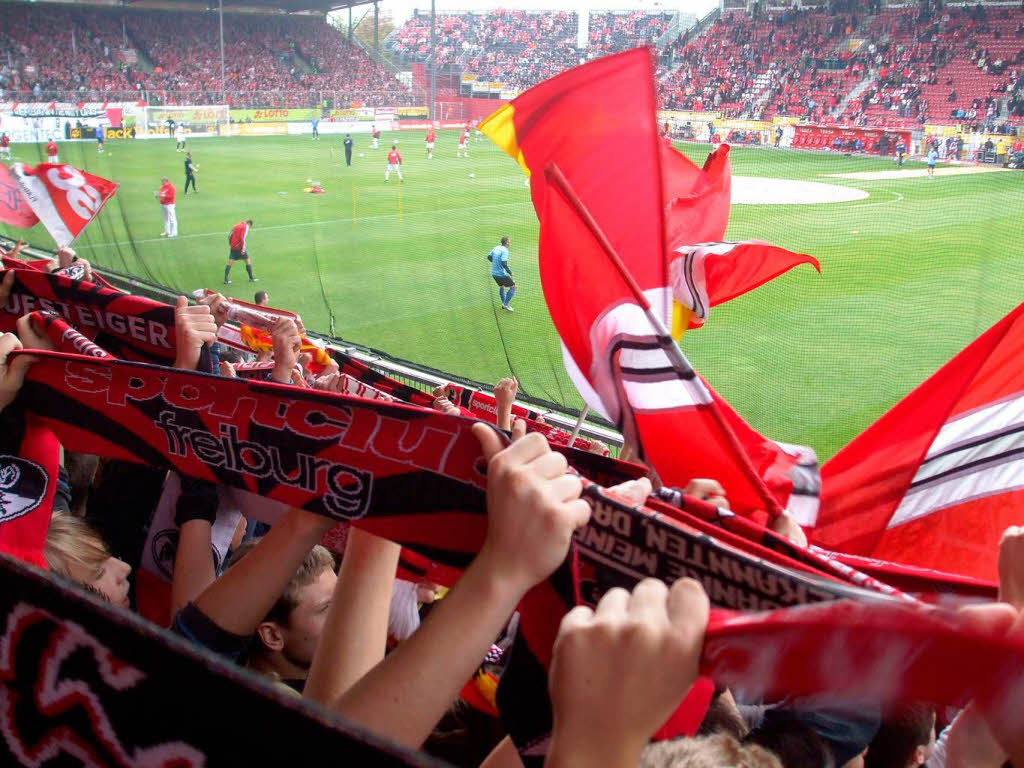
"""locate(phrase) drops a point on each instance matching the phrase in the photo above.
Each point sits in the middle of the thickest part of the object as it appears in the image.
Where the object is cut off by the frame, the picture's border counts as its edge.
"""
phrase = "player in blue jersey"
(502, 274)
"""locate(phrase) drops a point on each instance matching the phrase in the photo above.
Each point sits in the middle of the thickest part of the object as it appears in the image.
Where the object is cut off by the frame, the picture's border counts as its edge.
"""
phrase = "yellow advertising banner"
(941, 130)
(684, 116)
(412, 113)
(746, 125)
(258, 129)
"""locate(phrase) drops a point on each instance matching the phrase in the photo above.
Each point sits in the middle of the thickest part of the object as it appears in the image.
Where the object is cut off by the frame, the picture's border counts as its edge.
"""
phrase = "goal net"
(196, 121)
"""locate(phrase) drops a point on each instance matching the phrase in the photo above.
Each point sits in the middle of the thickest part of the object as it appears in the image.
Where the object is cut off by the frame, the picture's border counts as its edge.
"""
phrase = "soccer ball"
(472, 175)
(362, 155)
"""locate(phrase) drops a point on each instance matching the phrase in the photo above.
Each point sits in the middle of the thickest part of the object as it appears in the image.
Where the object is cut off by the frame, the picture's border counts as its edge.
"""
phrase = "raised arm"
(533, 507)
(356, 629)
(240, 599)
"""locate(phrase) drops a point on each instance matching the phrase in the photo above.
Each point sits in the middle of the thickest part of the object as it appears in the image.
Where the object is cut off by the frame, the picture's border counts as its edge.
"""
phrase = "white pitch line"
(304, 224)
(898, 199)
(896, 174)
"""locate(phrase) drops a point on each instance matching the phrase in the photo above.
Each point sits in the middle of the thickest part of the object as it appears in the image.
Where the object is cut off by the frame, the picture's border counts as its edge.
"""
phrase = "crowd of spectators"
(911, 65)
(174, 58)
(760, 67)
(916, 65)
(394, 656)
(948, 65)
(516, 47)
(611, 32)
(47, 49)
(522, 48)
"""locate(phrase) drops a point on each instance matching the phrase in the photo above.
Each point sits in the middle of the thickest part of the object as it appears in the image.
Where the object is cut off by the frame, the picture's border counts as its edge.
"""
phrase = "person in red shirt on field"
(51, 152)
(166, 197)
(236, 241)
(394, 163)
(463, 143)
(5, 147)
(375, 136)
(430, 143)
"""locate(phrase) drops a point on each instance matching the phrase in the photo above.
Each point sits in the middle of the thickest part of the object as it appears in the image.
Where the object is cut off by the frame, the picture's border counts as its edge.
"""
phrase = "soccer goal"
(197, 121)
(449, 110)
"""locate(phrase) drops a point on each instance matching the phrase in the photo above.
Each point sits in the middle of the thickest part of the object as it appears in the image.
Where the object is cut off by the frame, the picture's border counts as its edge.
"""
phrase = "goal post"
(196, 121)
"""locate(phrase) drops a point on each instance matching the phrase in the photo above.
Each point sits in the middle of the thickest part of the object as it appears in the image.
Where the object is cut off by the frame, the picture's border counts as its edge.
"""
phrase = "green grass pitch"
(909, 275)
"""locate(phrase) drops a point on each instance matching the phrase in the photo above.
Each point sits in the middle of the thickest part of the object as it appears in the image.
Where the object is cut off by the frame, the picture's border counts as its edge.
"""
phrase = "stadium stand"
(273, 61)
(610, 32)
(896, 65)
(946, 68)
(519, 48)
(898, 68)
(35, 43)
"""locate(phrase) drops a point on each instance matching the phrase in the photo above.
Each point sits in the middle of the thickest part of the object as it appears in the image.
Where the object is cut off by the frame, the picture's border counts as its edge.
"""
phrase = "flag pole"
(675, 355)
(579, 423)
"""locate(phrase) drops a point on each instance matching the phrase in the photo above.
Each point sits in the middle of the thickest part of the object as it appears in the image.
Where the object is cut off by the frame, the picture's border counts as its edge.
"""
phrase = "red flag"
(615, 358)
(936, 480)
(707, 274)
(14, 209)
(669, 414)
(704, 271)
(696, 199)
(64, 198)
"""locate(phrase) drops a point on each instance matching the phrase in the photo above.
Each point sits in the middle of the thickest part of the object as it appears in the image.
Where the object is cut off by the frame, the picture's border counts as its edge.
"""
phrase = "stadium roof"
(287, 6)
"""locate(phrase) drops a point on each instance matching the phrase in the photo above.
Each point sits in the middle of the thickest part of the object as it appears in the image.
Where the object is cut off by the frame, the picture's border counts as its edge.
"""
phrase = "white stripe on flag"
(958, 489)
(981, 421)
(644, 359)
(963, 461)
(627, 322)
(670, 395)
(975, 455)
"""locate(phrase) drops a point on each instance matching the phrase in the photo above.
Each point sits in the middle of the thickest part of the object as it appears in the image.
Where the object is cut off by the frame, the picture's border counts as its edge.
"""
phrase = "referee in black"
(348, 149)
(190, 173)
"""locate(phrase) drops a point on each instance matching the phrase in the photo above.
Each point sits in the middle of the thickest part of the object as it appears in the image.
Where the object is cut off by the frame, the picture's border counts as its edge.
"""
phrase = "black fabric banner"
(87, 684)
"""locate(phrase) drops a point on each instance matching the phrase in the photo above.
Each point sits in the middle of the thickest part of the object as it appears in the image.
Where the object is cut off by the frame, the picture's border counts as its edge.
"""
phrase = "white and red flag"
(64, 198)
(937, 479)
(648, 203)
(14, 209)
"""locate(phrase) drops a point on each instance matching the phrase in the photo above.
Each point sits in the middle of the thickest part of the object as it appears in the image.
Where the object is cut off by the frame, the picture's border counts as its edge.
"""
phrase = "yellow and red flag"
(259, 340)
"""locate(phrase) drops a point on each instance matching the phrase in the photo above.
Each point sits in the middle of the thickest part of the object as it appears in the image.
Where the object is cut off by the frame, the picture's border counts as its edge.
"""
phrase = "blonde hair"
(719, 750)
(70, 541)
(318, 560)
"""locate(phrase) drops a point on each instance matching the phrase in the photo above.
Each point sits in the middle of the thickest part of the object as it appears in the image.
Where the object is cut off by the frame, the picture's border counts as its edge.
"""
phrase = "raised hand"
(193, 327)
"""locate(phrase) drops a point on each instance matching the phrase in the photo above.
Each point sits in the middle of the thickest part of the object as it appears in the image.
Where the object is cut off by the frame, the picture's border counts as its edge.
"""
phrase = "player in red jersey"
(5, 147)
(463, 143)
(394, 163)
(430, 143)
(239, 252)
(166, 197)
(51, 152)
